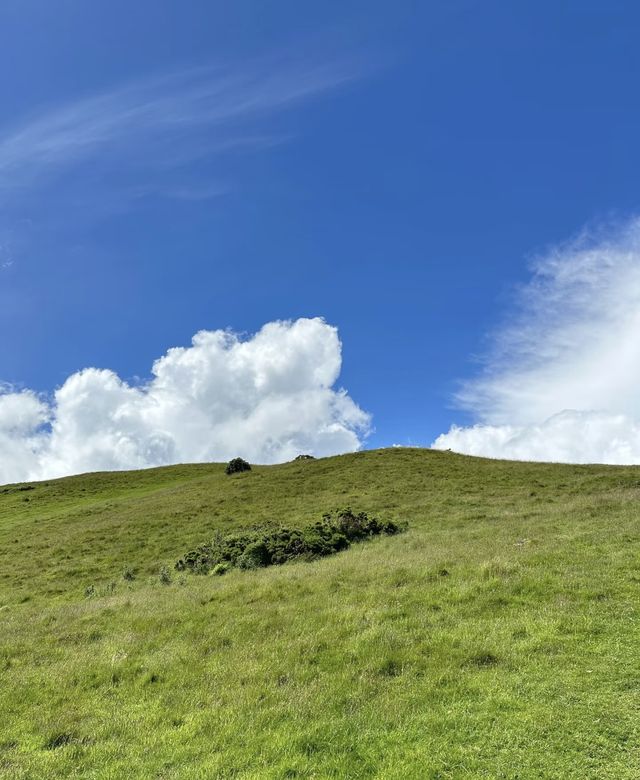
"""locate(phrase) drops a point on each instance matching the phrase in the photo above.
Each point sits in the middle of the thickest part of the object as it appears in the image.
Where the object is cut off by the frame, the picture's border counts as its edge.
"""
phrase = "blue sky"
(391, 167)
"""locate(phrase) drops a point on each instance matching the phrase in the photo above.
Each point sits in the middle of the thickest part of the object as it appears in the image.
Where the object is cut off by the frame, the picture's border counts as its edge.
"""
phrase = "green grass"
(497, 638)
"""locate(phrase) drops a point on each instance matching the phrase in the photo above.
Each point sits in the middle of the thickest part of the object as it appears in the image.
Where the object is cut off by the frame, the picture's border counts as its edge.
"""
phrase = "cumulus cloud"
(561, 381)
(267, 398)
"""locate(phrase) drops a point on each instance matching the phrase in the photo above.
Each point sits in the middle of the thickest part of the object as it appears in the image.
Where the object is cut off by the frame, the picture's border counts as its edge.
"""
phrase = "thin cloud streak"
(158, 110)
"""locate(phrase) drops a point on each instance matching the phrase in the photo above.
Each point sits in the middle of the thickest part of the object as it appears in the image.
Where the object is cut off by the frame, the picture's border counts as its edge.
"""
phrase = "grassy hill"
(497, 638)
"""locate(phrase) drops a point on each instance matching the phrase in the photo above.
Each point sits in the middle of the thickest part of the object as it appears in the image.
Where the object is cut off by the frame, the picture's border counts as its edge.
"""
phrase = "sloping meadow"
(496, 638)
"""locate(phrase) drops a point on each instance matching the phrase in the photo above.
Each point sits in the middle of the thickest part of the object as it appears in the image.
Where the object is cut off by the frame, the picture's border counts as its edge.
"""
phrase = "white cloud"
(562, 380)
(567, 437)
(21, 416)
(267, 398)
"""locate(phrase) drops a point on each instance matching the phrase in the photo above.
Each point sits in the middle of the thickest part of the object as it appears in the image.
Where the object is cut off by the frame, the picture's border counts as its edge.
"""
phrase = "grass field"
(497, 638)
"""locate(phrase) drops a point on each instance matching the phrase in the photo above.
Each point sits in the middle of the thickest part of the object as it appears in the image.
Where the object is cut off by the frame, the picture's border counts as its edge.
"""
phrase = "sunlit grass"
(497, 638)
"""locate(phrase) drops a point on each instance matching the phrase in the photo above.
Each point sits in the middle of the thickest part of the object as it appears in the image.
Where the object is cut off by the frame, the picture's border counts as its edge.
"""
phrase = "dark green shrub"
(254, 556)
(201, 566)
(220, 568)
(304, 457)
(273, 545)
(237, 465)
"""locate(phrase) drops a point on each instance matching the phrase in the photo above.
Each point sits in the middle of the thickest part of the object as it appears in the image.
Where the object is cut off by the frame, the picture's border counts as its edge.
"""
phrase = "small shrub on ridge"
(237, 465)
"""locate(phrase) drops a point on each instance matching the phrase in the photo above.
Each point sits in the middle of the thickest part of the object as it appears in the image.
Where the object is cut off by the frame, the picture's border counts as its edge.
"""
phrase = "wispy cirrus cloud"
(561, 382)
(168, 120)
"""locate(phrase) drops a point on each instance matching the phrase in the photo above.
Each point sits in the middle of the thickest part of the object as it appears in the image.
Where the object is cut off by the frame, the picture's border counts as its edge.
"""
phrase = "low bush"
(269, 546)
(237, 465)
(255, 555)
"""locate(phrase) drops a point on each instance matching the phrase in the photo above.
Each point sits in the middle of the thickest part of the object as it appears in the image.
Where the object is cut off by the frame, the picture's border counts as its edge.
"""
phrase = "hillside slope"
(497, 638)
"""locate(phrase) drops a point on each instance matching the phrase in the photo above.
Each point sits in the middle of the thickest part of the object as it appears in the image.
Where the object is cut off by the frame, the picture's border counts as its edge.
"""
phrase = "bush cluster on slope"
(272, 546)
